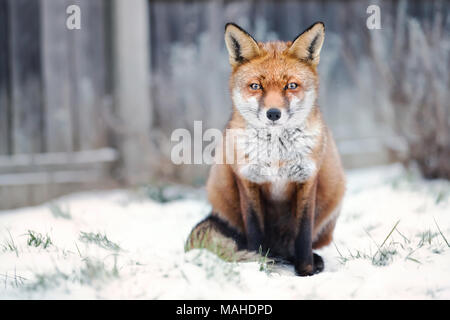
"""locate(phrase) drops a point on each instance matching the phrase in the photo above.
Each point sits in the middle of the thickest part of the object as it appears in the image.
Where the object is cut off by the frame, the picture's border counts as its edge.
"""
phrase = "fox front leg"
(306, 262)
(252, 215)
(254, 233)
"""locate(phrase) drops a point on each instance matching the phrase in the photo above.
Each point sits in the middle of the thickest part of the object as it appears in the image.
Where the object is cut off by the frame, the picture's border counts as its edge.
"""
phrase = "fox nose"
(273, 114)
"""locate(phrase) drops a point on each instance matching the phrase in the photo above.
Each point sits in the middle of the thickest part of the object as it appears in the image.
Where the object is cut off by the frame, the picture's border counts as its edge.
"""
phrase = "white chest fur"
(278, 156)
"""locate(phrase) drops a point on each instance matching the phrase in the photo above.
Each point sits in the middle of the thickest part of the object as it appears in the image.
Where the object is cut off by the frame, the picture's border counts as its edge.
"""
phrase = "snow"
(412, 263)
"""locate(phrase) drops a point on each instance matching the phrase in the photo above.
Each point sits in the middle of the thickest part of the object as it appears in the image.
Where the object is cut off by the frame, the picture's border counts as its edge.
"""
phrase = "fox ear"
(240, 45)
(307, 45)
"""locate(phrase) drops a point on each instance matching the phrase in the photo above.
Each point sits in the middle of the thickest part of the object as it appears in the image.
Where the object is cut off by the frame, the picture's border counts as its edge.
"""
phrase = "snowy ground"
(390, 243)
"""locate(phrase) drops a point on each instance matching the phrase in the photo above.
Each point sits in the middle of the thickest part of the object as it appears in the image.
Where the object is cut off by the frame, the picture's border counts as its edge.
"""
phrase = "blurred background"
(95, 107)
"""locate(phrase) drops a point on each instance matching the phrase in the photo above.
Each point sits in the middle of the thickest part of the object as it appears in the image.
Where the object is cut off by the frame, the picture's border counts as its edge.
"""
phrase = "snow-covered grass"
(391, 241)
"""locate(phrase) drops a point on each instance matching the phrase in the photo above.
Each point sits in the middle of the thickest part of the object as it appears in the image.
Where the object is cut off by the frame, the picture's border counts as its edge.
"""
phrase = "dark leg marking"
(304, 262)
(255, 235)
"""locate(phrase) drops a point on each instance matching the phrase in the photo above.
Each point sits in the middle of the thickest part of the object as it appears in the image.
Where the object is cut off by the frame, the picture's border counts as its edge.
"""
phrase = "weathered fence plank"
(27, 118)
(4, 80)
(56, 76)
(132, 87)
(89, 75)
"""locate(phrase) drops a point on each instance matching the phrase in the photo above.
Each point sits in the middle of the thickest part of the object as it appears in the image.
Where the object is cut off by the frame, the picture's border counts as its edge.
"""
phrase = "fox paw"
(304, 270)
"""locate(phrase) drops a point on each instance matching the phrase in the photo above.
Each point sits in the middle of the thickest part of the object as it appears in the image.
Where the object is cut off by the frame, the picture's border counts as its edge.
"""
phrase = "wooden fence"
(58, 110)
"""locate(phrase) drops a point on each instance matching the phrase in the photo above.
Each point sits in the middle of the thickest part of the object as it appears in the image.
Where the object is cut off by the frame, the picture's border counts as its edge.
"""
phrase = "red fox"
(285, 202)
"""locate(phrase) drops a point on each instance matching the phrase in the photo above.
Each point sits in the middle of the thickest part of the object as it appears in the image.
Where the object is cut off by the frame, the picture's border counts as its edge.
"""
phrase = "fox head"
(274, 83)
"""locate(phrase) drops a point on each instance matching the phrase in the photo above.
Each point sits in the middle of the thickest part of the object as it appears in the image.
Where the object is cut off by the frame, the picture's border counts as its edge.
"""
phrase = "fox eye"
(291, 86)
(255, 86)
